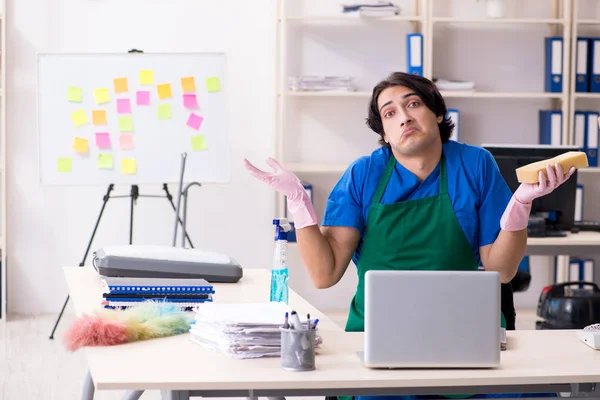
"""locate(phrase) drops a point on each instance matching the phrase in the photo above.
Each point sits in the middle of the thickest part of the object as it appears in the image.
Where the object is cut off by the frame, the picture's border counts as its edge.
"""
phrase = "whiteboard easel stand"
(134, 194)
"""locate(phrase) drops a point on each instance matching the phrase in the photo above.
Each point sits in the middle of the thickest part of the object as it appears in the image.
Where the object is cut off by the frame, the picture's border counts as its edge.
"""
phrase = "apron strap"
(388, 173)
(384, 179)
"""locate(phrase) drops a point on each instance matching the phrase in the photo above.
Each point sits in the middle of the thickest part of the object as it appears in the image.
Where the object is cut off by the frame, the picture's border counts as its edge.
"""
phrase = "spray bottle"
(279, 271)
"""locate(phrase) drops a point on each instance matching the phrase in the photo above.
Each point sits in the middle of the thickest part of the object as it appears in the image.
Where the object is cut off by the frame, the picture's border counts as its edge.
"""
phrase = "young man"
(420, 201)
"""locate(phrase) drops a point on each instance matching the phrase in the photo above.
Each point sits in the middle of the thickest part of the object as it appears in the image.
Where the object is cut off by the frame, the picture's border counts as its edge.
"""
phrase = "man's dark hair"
(424, 88)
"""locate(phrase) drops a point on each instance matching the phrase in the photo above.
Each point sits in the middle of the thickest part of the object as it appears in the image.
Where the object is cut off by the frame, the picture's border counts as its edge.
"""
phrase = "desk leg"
(175, 394)
(133, 394)
(88, 387)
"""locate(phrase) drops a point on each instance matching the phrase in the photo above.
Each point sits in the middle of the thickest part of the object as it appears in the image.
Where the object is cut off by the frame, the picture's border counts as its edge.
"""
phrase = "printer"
(150, 261)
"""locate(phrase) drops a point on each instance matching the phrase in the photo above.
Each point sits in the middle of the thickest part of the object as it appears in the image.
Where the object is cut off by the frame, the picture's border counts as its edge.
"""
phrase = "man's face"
(409, 126)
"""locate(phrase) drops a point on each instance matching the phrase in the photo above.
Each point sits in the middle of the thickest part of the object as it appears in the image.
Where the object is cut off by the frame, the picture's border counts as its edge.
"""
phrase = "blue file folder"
(594, 65)
(414, 56)
(582, 65)
(591, 137)
(550, 125)
(554, 64)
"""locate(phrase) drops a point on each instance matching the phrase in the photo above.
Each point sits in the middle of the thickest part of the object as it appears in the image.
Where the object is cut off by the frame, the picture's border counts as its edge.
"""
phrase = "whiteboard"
(128, 118)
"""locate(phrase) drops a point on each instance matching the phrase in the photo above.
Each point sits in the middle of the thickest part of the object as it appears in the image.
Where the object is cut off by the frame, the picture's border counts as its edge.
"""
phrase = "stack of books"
(243, 330)
(123, 293)
(320, 83)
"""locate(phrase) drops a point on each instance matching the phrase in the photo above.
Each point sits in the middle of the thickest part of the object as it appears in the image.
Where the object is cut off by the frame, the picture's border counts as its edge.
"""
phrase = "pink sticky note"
(190, 101)
(126, 141)
(143, 97)
(103, 140)
(194, 121)
(123, 106)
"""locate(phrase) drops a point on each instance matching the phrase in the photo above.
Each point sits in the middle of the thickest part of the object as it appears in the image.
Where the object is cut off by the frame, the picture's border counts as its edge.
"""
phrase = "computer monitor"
(558, 206)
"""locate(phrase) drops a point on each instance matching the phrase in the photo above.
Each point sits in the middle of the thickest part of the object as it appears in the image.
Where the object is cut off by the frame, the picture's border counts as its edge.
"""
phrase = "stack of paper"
(242, 330)
(371, 8)
(321, 83)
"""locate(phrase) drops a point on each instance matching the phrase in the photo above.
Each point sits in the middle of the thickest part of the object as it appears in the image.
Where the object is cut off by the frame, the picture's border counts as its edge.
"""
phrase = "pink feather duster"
(112, 327)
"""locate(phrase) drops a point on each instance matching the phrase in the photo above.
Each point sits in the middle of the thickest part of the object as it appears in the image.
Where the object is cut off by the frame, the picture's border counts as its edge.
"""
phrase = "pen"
(315, 323)
(308, 320)
(286, 325)
(294, 320)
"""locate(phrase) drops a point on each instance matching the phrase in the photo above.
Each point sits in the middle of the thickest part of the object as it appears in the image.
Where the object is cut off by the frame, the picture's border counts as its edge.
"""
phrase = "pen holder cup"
(298, 349)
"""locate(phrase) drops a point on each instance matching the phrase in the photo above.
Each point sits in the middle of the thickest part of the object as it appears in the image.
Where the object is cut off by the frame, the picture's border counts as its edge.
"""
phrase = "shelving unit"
(318, 134)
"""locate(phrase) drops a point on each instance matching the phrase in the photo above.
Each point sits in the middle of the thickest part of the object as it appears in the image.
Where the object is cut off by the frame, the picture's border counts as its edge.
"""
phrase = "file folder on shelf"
(553, 75)
(550, 127)
(414, 56)
(454, 115)
(579, 203)
(591, 142)
(579, 130)
(594, 65)
(582, 77)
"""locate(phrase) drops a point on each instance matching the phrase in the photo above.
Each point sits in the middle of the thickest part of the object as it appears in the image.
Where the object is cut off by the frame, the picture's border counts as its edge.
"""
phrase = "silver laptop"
(432, 319)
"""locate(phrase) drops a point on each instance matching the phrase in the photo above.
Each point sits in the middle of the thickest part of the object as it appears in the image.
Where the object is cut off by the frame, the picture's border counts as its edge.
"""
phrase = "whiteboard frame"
(186, 179)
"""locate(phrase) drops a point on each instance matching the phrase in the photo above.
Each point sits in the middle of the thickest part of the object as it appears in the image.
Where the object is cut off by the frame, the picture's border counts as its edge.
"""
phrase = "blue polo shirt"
(478, 193)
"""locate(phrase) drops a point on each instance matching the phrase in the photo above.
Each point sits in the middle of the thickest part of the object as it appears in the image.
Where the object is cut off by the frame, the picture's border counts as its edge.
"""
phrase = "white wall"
(49, 228)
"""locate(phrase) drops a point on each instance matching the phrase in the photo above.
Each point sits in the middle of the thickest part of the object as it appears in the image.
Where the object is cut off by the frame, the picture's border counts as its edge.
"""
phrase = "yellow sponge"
(529, 173)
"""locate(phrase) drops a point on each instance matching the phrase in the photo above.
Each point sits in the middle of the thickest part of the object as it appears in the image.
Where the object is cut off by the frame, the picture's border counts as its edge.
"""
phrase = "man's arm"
(326, 252)
(505, 254)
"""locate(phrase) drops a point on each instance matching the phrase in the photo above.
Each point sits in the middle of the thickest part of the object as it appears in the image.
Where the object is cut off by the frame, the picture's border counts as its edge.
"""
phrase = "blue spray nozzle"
(282, 227)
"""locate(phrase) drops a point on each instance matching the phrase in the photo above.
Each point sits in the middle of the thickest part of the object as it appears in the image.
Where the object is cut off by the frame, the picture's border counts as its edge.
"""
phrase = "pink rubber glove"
(516, 215)
(285, 182)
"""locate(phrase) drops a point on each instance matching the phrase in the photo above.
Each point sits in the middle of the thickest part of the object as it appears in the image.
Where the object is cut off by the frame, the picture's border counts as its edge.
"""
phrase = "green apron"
(421, 234)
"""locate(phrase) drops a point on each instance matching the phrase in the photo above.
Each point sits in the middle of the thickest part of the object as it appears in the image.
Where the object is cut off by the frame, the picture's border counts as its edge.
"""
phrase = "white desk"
(582, 244)
(535, 360)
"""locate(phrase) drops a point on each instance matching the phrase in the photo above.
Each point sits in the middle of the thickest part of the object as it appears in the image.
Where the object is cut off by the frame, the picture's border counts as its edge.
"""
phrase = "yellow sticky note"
(63, 164)
(188, 84)
(213, 84)
(164, 91)
(105, 161)
(164, 111)
(146, 77)
(99, 117)
(198, 143)
(79, 118)
(125, 124)
(74, 94)
(128, 165)
(120, 85)
(80, 145)
(101, 96)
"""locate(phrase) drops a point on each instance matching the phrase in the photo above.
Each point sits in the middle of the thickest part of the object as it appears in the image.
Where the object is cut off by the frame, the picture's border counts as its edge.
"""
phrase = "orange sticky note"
(164, 91)
(99, 117)
(128, 165)
(188, 84)
(120, 85)
(80, 145)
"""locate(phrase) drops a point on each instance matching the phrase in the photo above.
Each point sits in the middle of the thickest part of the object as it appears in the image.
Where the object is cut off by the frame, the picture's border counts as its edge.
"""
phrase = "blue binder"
(582, 67)
(454, 115)
(579, 192)
(594, 64)
(414, 56)
(550, 125)
(591, 137)
(579, 124)
(553, 74)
